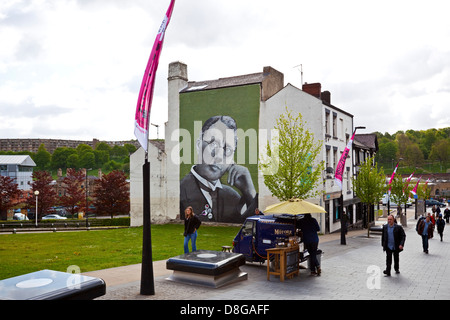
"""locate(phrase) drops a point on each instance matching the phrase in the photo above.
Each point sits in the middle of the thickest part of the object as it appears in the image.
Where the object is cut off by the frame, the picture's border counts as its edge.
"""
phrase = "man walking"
(392, 241)
(440, 225)
(425, 229)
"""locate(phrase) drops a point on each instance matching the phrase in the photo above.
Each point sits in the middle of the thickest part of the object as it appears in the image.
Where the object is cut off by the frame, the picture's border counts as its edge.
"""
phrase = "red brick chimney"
(313, 89)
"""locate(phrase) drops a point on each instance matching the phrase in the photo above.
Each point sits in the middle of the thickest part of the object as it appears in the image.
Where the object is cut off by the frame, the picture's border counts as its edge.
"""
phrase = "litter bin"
(318, 255)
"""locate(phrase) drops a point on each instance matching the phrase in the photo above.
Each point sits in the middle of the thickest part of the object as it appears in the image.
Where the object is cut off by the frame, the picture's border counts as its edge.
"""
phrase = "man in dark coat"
(392, 240)
(310, 227)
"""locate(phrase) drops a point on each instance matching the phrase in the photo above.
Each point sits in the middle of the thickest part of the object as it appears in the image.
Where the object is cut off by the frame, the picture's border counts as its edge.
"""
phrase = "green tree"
(294, 155)
(59, 157)
(42, 158)
(402, 144)
(118, 152)
(387, 152)
(441, 151)
(83, 148)
(400, 193)
(103, 146)
(112, 165)
(87, 160)
(130, 148)
(369, 185)
(73, 161)
(413, 156)
(101, 157)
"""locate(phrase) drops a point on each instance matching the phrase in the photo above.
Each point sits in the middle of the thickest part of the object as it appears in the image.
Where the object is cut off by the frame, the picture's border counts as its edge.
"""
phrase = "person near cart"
(310, 227)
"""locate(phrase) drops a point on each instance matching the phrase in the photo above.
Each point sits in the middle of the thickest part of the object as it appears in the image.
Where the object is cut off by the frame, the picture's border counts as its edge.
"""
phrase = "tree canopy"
(427, 150)
(370, 182)
(289, 166)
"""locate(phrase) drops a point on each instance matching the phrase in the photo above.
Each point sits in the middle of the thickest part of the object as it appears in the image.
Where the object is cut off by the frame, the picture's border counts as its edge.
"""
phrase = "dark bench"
(376, 229)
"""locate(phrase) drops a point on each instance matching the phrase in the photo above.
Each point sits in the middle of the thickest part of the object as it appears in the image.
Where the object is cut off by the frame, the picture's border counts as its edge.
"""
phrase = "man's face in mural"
(215, 150)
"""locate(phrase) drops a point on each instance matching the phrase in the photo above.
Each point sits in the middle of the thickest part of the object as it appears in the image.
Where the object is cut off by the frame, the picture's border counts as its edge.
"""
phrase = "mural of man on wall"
(203, 189)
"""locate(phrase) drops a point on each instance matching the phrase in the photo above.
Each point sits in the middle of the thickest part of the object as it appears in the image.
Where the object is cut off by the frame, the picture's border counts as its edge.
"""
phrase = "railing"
(54, 225)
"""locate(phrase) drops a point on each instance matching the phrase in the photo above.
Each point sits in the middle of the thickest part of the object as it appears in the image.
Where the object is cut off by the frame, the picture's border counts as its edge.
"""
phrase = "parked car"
(432, 202)
(53, 217)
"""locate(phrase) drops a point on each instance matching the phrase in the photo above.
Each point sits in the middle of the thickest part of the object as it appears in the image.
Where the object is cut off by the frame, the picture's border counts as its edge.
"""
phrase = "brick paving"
(349, 272)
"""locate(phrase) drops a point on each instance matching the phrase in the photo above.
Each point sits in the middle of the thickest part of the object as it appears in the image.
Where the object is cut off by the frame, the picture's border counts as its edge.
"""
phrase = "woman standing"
(191, 224)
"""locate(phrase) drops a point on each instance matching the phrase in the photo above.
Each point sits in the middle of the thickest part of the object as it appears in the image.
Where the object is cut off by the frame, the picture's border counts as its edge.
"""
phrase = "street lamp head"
(36, 193)
(360, 127)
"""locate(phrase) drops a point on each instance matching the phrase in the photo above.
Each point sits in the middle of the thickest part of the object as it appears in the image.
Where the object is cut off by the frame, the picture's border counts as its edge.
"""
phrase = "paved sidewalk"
(351, 271)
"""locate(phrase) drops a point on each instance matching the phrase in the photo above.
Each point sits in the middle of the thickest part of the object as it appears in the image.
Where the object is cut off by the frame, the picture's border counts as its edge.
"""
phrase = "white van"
(384, 201)
(19, 216)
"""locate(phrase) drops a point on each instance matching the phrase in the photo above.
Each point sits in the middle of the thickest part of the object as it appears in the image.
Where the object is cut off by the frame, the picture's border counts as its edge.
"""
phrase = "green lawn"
(95, 250)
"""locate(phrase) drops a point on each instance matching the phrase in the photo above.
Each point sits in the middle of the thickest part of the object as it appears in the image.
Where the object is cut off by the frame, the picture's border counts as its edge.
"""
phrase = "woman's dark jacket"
(399, 237)
(191, 224)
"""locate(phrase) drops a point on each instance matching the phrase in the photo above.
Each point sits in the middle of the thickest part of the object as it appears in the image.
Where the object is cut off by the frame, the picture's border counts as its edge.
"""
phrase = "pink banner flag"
(341, 164)
(425, 186)
(414, 190)
(407, 182)
(142, 117)
(392, 177)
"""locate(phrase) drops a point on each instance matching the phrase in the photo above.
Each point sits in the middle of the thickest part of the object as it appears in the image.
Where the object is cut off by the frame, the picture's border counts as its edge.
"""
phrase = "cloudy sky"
(71, 69)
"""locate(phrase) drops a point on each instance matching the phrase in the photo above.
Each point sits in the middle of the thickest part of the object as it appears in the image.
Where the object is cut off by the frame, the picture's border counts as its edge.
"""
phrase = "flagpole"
(142, 120)
(338, 175)
(147, 279)
(389, 185)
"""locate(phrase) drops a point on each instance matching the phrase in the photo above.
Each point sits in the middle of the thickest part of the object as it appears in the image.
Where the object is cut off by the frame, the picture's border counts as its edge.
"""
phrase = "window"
(336, 208)
(247, 229)
(348, 179)
(327, 122)
(335, 158)
(334, 125)
(327, 157)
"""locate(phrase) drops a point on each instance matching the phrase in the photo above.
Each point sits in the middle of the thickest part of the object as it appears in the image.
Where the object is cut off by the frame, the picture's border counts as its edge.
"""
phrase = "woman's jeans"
(193, 238)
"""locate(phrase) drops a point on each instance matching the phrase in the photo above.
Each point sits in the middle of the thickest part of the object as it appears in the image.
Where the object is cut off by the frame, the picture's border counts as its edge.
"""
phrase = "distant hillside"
(423, 151)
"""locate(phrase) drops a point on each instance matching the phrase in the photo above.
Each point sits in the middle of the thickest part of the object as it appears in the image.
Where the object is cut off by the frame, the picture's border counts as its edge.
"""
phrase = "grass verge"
(99, 249)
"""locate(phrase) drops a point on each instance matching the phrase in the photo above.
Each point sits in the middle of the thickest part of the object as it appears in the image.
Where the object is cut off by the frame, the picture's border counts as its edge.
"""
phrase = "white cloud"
(74, 68)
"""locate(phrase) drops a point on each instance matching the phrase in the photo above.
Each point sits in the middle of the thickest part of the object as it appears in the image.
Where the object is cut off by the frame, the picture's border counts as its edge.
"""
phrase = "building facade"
(19, 167)
(330, 125)
(226, 116)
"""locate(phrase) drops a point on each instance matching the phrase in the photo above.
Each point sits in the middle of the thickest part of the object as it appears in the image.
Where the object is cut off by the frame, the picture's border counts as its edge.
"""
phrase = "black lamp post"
(87, 204)
(341, 209)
